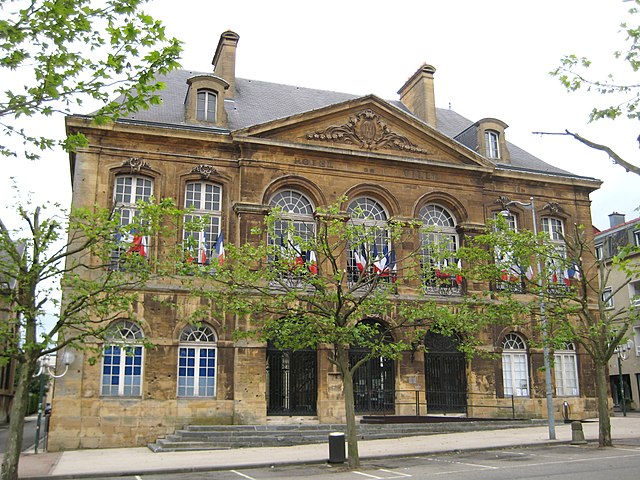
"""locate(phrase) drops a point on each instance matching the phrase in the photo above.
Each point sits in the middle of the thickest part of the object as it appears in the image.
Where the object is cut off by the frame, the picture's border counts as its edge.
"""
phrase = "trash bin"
(336, 448)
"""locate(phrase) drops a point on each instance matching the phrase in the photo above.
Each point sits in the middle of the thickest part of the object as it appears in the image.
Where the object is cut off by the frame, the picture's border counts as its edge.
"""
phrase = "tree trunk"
(16, 423)
(353, 457)
(602, 392)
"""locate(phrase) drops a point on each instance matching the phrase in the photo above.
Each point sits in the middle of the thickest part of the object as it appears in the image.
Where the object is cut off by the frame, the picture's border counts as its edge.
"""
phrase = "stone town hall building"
(232, 148)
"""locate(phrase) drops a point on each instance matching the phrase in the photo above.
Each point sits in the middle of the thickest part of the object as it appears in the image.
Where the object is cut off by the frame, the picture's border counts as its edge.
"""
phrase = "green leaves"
(67, 51)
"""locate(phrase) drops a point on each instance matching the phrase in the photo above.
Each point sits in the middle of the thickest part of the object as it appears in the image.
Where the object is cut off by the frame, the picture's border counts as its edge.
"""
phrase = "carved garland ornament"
(366, 130)
(205, 171)
(135, 164)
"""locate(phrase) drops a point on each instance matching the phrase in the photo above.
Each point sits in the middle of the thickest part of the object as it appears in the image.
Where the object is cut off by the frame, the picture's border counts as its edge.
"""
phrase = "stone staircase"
(220, 437)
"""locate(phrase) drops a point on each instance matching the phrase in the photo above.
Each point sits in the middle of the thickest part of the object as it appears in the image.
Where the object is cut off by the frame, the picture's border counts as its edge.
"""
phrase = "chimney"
(224, 60)
(417, 94)
(616, 219)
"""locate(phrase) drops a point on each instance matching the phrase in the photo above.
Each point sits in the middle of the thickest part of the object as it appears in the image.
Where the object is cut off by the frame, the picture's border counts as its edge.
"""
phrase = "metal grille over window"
(293, 235)
(197, 357)
(515, 366)
(122, 361)
(204, 200)
(372, 255)
(439, 243)
(129, 190)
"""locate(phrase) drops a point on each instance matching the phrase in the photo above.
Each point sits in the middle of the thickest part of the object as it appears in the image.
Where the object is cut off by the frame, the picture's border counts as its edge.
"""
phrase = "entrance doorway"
(445, 375)
(291, 381)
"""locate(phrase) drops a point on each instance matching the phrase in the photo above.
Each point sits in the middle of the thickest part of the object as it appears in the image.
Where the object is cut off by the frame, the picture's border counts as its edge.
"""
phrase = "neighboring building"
(7, 365)
(233, 148)
(607, 243)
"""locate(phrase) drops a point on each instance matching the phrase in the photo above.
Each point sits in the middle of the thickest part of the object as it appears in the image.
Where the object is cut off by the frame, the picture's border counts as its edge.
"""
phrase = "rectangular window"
(599, 252)
(205, 201)
(196, 372)
(636, 340)
(206, 106)
(122, 371)
(515, 375)
(566, 373)
(491, 144)
(607, 297)
(636, 238)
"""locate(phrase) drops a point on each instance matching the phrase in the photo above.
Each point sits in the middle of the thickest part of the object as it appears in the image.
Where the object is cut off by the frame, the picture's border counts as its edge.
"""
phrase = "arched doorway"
(445, 375)
(374, 381)
(292, 382)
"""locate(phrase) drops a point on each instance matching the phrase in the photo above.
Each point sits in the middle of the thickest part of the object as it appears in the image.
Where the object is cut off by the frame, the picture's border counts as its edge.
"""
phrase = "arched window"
(566, 371)
(127, 192)
(206, 106)
(122, 361)
(373, 253)
(294, 228)
(439, 243)
(197, 359)
(204, 199)
(515, 366)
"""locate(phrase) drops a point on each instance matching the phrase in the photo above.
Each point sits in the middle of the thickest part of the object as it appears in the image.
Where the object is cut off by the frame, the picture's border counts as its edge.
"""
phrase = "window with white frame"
(554, 229)
(439, 243)
(491, 142)
(636, 238)
(292, 231)
(636, 340)
(607, 297)
(515, 366)
(368, 212)
(599, 251)
(634, 293)
(197, 362)
(206, 106)
(204, 201)
(122, 361)
(566, 371)
(510, 272)
(128, 191)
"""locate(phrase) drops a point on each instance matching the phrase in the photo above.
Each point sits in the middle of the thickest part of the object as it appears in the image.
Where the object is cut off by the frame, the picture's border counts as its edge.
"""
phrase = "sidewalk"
(137, 461)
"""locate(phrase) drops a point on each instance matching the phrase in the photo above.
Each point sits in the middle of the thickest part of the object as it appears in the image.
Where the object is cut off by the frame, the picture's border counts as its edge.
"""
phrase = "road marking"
(138, 477)
(367, 475)
(453, 462)
(398, 474)
(242, 475)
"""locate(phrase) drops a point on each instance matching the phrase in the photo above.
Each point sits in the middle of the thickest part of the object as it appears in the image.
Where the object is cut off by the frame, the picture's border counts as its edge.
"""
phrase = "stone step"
(216, 437)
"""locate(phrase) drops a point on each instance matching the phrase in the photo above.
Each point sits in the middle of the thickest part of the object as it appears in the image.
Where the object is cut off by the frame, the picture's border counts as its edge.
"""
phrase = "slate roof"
(258, 102)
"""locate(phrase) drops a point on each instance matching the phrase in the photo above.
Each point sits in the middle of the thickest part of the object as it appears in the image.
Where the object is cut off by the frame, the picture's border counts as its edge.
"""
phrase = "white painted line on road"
(242, 475)
(398, 474)
(138, 477)
(453, 462)
(367, 475)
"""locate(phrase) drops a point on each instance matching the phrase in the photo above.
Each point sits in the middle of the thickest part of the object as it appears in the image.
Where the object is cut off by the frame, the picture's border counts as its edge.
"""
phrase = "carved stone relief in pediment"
(366, 130)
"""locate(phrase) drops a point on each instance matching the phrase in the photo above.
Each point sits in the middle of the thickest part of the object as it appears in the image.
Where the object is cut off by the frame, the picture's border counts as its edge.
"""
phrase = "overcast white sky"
(492, 60)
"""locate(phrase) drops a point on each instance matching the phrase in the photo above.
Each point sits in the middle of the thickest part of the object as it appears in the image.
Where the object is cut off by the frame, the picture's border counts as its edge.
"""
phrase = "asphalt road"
(29, 433)
(559, 462)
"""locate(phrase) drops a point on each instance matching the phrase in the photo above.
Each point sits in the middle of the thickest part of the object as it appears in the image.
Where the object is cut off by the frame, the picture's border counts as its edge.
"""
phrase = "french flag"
(361, 259)
(220, 248)
(312, 263)
(202, 250)
(138, 245)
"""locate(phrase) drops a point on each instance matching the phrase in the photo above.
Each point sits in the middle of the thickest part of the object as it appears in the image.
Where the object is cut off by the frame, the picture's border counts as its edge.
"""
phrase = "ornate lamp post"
(543, 323)
(622, 351)
(46, 368)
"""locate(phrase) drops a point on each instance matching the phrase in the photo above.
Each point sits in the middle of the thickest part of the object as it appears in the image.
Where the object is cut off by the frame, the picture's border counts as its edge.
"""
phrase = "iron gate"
(291, 381)
(373, 383)
(445, 375)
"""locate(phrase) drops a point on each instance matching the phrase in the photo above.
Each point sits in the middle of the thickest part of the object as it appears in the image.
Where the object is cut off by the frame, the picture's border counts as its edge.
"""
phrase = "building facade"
(232, 149)
(622, 292)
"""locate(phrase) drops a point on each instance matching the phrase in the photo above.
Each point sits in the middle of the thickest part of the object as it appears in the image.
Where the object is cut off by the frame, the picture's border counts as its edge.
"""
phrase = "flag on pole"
(380, 262)
(138, 245)
(312, 263)
(202, 249)
(529, 273)
(220, 248)
(360, 259)
(459, 273)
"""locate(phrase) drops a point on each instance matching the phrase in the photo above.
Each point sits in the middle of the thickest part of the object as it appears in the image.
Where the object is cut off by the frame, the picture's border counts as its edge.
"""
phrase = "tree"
(57, 54)
(296, 290)
(625, 95)
(98, 261)
(563, 281)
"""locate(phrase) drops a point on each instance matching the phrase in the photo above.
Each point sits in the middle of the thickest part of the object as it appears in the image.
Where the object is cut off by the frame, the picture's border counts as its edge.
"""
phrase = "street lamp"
(543, 322)
(622, 350)
(46, 368)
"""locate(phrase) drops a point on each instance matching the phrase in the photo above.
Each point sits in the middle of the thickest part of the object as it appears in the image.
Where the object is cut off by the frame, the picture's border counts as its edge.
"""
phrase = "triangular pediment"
(366, 125)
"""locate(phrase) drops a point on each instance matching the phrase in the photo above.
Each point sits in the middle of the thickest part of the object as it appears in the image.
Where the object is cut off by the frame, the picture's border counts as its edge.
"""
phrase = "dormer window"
(492, 144)
(206, 106)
